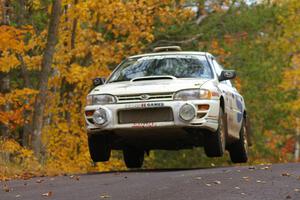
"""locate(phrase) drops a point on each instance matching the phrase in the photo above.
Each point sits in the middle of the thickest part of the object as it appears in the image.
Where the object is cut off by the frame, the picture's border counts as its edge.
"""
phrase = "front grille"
(145, 115)
(145, 97)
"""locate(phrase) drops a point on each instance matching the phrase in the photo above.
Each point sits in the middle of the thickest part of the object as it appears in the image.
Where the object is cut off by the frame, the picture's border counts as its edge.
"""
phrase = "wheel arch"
(222, 103)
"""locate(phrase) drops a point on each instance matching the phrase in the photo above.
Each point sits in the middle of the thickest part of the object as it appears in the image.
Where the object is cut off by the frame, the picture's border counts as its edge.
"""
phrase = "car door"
(238, 109)
(229, 97)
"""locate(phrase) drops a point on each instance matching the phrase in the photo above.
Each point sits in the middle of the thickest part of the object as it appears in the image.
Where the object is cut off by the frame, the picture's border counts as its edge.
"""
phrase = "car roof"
(171, 53)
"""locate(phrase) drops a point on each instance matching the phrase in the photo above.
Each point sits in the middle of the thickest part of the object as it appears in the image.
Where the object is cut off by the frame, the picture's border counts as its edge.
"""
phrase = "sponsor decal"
(144, 125)
(145, 105)
(240, 107)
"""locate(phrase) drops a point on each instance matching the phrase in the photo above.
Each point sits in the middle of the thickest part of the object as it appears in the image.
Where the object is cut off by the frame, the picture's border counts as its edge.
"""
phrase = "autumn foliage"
(93, 37)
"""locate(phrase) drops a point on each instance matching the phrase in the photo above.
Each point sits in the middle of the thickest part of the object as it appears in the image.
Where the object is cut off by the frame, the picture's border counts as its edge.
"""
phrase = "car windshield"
(179, 66)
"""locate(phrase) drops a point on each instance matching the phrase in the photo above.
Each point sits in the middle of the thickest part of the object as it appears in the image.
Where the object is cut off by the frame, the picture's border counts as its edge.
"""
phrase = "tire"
(99, 148)
(133, 158)
(239, 150)
(214, 143)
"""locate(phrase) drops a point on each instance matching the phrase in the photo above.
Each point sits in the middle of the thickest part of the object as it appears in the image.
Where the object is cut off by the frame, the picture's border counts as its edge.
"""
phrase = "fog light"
(187, 112)
(100, 116)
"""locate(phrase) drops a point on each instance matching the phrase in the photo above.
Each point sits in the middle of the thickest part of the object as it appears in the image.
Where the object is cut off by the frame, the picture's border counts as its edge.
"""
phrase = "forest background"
(50, 50)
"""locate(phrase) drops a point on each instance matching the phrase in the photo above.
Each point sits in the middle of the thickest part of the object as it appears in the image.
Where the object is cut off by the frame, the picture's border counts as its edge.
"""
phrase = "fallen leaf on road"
(297, 190)
(243, 193)
(77, 178)
(217, 182)
(251, 167)
(39, 181)
(207, 184)
(198, 178)
(47, 194)
(288, 197)
(6, 188)
(237, 188)
(259, 181)
(285, 174)
(17, 196)
(265, 168)
(105, 196)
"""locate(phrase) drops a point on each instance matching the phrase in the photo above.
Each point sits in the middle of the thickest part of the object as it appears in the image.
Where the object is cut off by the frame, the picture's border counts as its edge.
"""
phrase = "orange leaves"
(11, 38)
(216, 49)
(18, 100)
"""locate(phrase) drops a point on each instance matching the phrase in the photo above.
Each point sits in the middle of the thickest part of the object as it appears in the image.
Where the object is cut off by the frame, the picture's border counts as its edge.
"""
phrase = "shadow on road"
(154, 170)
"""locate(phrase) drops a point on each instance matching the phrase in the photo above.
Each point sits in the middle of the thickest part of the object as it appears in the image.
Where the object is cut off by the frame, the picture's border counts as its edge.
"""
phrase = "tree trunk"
(4, 77)
(4, 9)
(297, 145)
(26, 130)
(39, 106)
(4, 88)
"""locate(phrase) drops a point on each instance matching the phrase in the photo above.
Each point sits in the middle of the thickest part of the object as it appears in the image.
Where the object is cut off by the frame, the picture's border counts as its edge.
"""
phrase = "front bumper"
(205, 119)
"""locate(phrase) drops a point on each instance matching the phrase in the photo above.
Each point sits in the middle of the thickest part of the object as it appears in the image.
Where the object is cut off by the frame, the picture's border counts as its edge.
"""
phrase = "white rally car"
(169, 99)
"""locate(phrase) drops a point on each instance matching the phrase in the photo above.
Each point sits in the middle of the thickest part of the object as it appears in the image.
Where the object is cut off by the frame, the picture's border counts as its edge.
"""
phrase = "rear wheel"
(214, 143)
(133, 157)
(99, 148)
(239, 150)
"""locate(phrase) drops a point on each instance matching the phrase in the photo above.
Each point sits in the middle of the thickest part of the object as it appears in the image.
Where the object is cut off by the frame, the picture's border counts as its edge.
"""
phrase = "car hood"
(143, 87)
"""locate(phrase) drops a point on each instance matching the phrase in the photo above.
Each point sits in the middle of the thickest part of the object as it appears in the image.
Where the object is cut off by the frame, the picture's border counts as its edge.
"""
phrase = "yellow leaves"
(9, 146)
(33, 62)
(8, 62)
(77, 74)
(11, 38)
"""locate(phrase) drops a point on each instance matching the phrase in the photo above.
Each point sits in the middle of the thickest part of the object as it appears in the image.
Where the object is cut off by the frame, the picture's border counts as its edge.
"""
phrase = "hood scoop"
(150, 78)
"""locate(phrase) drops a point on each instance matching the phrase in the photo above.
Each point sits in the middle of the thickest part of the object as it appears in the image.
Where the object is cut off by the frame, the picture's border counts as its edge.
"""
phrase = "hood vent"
(150, 78)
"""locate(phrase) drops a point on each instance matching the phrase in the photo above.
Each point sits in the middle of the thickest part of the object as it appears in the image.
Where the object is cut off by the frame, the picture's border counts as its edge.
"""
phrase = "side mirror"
(227, 75)
(98, 81)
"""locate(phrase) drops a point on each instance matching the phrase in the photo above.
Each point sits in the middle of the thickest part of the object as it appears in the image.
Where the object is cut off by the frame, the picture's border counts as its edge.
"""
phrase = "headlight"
(192, 94)
(187, 112)
(100, 99)
(100, 116)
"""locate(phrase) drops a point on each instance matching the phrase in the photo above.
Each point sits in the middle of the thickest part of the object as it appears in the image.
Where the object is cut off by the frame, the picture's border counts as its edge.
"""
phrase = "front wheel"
(214, 143)
(239, 150)
(99, 148)
(133, 157)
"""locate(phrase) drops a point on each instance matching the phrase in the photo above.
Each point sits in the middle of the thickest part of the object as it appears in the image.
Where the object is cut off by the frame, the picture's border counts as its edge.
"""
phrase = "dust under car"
(169, 100)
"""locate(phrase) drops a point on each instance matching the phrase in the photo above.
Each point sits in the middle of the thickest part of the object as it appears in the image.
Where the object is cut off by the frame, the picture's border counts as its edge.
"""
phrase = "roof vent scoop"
(167, 48)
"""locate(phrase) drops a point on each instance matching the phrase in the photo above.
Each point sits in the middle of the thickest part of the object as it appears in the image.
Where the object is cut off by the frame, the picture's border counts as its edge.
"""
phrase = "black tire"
(239, 150)
(99, 148)
(133, 158)
(214, 143)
